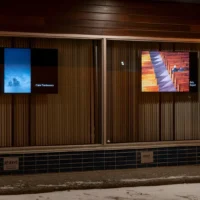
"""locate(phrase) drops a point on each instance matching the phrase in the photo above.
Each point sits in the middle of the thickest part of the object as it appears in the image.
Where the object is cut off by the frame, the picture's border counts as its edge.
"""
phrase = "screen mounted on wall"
(28, 70)
(169, 71)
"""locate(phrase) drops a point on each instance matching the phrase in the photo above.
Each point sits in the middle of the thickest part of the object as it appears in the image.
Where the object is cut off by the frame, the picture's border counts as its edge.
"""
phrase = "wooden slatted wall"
(187, 107)
(20, 108)
(151, 116)
(103, 17)
(148, 113)
(68, 118)
(57, 119)
(5, 110)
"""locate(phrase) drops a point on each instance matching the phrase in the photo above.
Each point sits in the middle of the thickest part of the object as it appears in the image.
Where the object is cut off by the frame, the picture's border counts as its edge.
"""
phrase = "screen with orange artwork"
(164, 71)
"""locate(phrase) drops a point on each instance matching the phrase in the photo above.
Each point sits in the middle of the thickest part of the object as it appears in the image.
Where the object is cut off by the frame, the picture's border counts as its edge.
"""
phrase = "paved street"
(168, 192)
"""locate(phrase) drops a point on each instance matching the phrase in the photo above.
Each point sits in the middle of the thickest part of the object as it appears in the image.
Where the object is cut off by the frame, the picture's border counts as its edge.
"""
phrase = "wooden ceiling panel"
(167, 18)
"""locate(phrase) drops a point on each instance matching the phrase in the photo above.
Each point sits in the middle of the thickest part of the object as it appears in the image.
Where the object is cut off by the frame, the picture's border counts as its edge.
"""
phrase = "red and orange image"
(165, 71)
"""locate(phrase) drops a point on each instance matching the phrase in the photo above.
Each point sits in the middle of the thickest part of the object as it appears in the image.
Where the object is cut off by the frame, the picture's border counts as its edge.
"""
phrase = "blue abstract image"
(17, 70)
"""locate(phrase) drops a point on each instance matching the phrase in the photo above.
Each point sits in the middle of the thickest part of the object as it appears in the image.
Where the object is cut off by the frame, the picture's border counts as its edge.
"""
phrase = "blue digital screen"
(28, 71)
(17, 70)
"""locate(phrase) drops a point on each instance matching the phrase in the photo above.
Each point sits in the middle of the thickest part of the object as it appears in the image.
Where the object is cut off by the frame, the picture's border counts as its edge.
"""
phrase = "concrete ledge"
(30, 184)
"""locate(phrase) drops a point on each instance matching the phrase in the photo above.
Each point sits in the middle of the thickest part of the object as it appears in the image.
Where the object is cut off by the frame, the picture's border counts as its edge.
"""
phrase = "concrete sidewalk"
(98, 179)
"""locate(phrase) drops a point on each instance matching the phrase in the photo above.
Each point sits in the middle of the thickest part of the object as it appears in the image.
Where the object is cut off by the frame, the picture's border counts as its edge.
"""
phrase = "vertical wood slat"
(186, 106)
(148, 104)
(97, 80)
(134, 89)
(50, 124)
(5, 120)
(41, 131)
(62, 127)
(181, 107)
(182, 117)
(195, 116)
(43, 110)
(21, 108)
(123, 92)
(68, 115)
(5, 110)
(166, 106)
(109, 131)
(117, 94)
(148, 117)
(166, 117)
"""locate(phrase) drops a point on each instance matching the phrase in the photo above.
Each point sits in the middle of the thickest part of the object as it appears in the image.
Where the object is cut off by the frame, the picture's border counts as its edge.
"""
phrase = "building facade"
(100, 119)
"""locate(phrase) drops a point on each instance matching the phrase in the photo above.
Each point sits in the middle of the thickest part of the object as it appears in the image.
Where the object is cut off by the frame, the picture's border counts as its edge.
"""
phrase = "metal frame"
(107, 37)
(104, 91)
(103, 145)
(74, 148)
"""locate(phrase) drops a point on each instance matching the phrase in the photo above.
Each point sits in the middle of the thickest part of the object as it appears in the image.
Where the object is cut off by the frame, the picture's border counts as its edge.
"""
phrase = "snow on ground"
(168, 192)
(161, 178)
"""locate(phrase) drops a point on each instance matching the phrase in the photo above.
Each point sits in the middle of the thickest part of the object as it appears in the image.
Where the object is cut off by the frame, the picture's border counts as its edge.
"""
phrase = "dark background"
(44, 69)
(103, 17)
(194, 70)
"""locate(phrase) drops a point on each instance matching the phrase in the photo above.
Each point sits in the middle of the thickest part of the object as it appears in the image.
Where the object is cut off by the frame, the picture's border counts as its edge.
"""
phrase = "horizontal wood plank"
(140, 9)
(122, 32)
(116, 25)
(109, 17)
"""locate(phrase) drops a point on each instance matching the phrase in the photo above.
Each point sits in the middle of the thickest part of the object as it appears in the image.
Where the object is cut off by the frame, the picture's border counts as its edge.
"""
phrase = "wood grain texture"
(21, 108)
(135, 116)
(71, 117)
(108, 17)
(57, 119)
(5, 110)
(68, 118)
